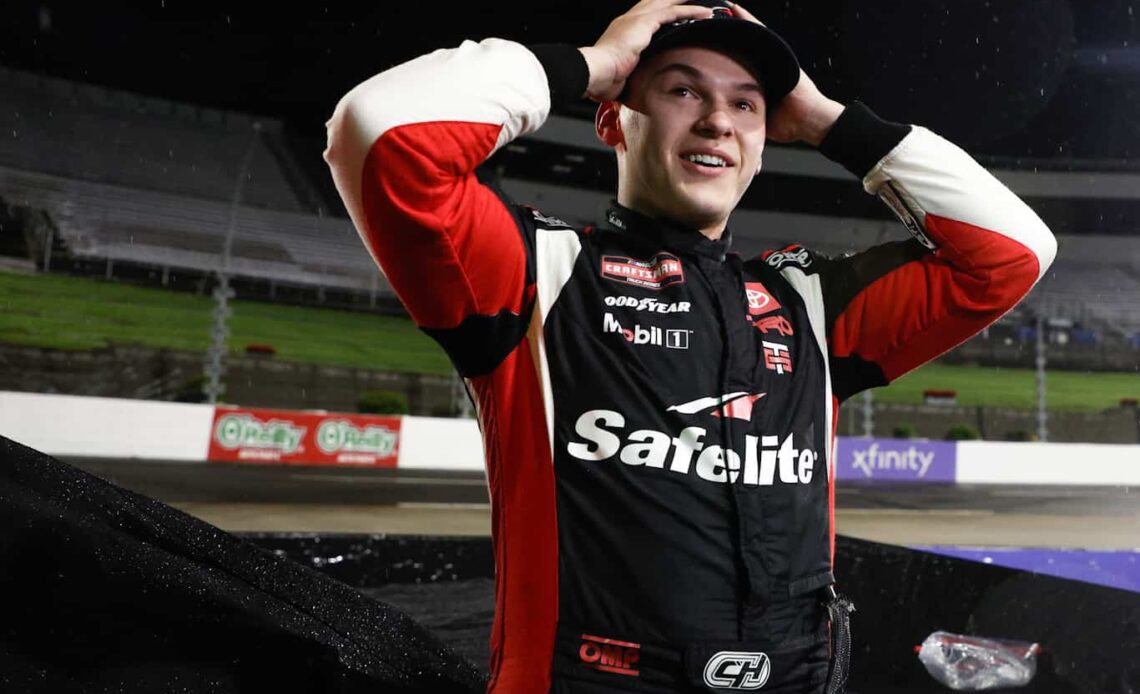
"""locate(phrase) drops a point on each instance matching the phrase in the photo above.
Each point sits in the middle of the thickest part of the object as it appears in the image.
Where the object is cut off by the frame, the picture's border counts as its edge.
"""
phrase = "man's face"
(692, 133)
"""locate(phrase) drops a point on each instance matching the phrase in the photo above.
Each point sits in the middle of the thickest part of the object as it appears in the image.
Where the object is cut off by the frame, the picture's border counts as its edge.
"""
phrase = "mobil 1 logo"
(639, 334)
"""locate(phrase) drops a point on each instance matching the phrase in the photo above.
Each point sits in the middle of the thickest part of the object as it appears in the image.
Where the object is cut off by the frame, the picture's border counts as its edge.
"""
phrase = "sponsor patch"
(736, 405)
(898, 204)
(647, 335)
(737, 670)
(648, 304)
(765, 460)
(609, 655)
(794, 254)
(662, 270)
(774, 323)
(547, 220)
(760, 300)
(777, 357)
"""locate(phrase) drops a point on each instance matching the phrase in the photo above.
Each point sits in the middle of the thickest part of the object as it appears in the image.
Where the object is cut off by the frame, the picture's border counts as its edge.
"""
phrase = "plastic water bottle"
(971, 663)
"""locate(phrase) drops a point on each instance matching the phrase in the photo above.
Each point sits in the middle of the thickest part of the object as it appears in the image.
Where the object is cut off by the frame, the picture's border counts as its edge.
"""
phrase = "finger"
(740, 11)
(650, 5)
(679, 12)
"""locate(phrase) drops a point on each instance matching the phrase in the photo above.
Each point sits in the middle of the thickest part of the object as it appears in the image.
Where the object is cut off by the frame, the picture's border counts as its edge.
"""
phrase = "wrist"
(820, 122)
(595, 84)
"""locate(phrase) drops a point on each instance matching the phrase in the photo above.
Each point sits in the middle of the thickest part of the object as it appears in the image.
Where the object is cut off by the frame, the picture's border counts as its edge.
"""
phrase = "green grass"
(998, 387)
(78, 313)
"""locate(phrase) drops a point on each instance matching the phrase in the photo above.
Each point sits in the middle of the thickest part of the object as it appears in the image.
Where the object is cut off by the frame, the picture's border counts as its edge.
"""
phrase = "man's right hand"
(614, 55)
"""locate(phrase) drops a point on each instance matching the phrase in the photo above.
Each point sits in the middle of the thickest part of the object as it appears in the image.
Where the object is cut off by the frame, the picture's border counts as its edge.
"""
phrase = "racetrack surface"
(249, 498)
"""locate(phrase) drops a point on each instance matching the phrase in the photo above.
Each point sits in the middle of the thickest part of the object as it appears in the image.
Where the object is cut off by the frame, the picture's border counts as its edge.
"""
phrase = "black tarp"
(104, 590)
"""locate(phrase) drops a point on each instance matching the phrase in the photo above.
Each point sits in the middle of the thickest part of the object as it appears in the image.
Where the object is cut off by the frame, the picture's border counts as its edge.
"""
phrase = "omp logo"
(760, 300)
(737, 670)
(609, 655)
(649, 305)
(794, 254)
(662, 270)
(652, 335)
(735, 405)
(600, 435)
(245, 431)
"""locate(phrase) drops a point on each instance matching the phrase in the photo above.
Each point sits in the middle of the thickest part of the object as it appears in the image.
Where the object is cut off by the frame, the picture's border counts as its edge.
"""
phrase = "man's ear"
(607, 123)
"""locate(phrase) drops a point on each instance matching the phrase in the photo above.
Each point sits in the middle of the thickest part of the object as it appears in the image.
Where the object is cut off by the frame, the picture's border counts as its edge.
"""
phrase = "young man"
(658, 414)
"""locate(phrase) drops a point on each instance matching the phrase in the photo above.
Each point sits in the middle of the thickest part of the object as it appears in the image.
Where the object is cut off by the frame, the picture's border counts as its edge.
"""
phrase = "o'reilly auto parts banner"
(303, 438)
(897, 460)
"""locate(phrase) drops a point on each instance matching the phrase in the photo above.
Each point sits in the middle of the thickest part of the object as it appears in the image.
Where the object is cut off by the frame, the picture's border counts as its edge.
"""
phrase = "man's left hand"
(805, 114)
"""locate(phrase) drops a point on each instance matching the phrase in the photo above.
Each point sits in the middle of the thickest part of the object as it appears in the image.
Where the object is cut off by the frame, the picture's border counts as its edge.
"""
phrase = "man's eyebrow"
(698, 75)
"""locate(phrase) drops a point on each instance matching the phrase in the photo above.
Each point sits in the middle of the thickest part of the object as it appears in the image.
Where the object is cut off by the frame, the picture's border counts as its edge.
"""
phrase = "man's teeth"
(706, 159)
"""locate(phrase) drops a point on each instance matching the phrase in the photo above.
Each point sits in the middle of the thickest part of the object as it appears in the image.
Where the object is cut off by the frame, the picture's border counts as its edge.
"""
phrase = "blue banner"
(897, 460)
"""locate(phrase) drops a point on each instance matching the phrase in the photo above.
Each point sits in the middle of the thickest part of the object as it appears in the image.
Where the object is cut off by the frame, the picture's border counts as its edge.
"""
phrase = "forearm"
(897, 306)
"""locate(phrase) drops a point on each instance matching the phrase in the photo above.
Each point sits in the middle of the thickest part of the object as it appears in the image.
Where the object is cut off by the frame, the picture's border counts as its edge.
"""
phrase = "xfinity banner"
(899, 460)
(244, 435)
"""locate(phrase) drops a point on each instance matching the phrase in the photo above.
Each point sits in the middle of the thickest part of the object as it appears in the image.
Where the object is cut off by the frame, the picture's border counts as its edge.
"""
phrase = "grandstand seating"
(146, 182)
(90, 133)
(1091, 294)
(103, 221)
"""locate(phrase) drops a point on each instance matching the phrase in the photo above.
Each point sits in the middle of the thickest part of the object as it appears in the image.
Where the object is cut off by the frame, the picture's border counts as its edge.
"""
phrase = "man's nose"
(715, 121)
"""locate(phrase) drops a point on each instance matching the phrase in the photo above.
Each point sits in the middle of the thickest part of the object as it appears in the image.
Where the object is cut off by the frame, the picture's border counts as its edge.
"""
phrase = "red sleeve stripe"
(524, 524)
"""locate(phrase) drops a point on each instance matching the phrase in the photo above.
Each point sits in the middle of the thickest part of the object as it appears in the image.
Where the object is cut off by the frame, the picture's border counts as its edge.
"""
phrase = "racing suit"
(658, 414)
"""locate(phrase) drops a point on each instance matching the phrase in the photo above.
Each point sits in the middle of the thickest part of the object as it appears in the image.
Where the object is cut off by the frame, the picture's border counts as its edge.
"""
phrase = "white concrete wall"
(66, 425)
(996, 462)
(115, 428)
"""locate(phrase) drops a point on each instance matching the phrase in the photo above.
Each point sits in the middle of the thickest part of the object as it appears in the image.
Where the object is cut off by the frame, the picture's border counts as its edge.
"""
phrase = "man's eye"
(745, 106)
(682, 91)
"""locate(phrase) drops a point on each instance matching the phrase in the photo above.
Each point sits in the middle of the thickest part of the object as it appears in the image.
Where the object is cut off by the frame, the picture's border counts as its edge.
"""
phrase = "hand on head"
(615, 54)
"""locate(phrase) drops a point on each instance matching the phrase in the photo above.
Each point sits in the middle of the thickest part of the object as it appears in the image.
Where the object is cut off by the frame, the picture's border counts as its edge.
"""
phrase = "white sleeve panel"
(929, 175)
(494, 81)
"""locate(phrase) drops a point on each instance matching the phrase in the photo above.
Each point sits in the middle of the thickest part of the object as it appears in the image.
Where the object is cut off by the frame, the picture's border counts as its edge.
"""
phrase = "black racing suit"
(658, 413)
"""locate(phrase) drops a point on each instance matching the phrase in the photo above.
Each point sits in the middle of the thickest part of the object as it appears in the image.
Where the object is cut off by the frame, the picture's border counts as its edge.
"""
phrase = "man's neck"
(711, 231)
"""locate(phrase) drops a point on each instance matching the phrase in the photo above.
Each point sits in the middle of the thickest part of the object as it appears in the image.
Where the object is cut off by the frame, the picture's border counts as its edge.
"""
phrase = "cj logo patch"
(737, 670)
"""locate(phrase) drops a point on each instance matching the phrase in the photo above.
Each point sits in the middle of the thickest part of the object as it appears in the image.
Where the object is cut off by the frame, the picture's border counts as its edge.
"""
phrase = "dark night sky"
(1036, 78)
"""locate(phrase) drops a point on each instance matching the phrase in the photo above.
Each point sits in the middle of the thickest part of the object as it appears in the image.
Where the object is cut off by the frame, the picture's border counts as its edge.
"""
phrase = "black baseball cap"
(768, 54)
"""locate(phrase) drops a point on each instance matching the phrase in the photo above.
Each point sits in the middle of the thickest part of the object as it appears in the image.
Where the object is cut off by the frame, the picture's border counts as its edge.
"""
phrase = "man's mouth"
(710, 160)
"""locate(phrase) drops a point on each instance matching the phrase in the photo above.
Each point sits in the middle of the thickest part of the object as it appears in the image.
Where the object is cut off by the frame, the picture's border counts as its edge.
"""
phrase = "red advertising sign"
(243, 435)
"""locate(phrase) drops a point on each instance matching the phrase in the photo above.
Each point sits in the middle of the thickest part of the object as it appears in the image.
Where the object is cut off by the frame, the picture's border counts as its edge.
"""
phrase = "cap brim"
(769, 55)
